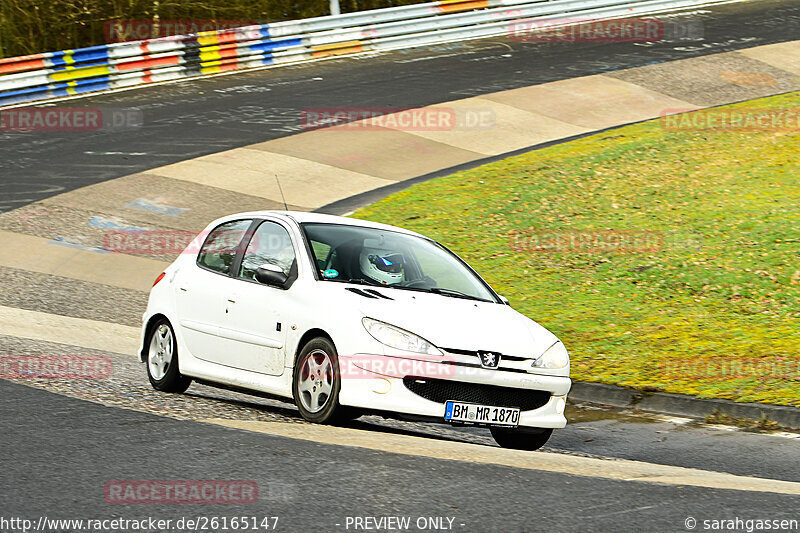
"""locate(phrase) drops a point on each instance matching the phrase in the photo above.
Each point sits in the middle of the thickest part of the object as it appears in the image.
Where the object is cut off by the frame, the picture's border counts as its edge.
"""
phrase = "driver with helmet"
(381, 265)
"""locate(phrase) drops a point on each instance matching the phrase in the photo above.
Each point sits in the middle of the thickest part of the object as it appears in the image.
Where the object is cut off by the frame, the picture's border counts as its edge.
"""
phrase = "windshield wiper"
(362, 282)
(436, 290)
(455, 294)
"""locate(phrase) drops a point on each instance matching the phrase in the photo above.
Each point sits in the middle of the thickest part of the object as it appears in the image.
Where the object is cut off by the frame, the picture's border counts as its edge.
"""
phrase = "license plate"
(481, 414)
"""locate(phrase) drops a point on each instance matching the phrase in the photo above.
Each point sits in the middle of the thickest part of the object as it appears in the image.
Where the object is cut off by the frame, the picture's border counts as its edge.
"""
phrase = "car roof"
(302, 217)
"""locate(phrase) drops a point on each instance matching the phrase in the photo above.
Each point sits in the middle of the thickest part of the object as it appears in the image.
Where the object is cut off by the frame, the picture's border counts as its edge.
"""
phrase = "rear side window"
(270, 244)
(222, 243)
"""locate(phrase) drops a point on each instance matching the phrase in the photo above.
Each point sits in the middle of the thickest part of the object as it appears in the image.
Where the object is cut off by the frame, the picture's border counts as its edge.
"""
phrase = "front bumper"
(381, 387)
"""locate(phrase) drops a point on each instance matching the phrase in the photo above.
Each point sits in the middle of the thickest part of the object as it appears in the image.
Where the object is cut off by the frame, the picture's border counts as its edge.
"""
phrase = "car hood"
(458, 323)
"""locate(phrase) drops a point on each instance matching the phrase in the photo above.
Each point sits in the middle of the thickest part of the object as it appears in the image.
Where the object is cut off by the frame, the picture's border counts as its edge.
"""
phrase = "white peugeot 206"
(349, 317)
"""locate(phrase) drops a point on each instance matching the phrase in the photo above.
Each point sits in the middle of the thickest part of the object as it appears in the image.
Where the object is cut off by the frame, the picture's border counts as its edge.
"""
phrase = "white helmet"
(383, 266)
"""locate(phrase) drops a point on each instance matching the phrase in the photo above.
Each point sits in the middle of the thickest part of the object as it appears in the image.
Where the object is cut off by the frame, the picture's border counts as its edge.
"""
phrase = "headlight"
(554, 357)
(399, 338)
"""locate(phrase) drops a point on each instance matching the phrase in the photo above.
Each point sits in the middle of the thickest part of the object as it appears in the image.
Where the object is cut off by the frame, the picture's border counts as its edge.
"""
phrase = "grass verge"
(665, 258)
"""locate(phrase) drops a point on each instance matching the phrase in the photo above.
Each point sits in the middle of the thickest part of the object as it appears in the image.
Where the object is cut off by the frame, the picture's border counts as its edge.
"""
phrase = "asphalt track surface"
(57, 467)
(204, 116)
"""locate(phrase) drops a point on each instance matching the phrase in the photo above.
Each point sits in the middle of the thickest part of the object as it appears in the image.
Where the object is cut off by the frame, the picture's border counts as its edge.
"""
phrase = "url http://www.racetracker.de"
(44, 524)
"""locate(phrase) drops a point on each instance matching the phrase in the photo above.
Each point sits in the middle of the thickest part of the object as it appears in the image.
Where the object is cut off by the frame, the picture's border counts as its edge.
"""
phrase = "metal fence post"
(335, 7)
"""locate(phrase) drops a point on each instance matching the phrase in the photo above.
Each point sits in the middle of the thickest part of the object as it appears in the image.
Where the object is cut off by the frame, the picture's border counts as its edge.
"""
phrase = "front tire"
(162, 360)
(316, 383)
(520, 440)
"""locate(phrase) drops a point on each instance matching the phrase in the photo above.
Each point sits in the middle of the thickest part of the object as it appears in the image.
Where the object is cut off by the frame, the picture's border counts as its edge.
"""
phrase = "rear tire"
(316, 384)
(520, 440)
(162, 360)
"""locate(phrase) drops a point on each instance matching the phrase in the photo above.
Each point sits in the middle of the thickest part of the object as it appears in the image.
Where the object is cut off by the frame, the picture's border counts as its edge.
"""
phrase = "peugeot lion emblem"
(489, 359)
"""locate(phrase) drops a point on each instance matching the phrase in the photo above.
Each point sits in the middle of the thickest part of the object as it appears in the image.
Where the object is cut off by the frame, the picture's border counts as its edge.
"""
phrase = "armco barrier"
(118, 65)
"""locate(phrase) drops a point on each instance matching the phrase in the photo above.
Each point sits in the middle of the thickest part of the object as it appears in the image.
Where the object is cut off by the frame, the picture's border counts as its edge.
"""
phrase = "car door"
(256, 322)
(202, 289)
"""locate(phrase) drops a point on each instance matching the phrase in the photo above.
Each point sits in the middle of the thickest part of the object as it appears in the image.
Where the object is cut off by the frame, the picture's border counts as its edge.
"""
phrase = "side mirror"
(272, 275)
(504, 300)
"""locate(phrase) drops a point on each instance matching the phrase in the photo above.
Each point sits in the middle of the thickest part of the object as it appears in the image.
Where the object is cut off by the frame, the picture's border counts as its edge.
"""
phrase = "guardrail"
(126, 64)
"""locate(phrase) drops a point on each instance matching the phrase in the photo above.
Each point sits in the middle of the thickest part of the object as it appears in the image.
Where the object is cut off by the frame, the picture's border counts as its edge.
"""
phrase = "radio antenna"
(281, 190)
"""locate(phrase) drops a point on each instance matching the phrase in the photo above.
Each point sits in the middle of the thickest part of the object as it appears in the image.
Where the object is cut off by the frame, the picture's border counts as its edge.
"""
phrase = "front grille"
(441, 390)
(474, 353)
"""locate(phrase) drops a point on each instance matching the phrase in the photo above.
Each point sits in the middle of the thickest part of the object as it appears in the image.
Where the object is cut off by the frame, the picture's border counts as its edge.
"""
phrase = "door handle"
(232, 301)
(184, 289)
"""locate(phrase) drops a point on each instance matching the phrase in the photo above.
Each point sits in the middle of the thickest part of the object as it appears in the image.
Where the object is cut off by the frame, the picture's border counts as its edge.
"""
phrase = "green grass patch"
(702, 297)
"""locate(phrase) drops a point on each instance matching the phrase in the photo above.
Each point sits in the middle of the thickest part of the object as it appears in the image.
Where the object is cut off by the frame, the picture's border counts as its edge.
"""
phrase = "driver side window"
(270, 244)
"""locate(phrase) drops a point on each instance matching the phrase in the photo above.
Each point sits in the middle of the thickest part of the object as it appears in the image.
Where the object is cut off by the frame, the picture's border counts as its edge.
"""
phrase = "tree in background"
(32, 26)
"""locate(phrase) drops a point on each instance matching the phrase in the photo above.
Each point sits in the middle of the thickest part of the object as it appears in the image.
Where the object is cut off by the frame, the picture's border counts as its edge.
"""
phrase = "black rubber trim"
(472, 365)
(474, 353)
(361, 293)
(376, 293)
(357, 201)
(443, 390)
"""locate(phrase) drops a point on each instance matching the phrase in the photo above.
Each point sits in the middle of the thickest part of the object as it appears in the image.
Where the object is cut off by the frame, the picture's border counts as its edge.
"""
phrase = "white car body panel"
(226, 330)
(199, 305)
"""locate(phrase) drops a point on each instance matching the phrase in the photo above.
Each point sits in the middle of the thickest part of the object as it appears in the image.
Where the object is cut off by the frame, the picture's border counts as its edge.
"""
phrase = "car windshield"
(387, 258)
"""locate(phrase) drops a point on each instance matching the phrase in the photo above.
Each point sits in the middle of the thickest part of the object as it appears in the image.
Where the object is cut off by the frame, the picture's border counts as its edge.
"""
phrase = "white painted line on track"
(37, 254)
(612, 469)
(81, 332)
